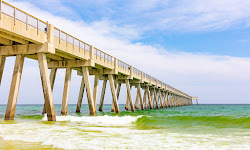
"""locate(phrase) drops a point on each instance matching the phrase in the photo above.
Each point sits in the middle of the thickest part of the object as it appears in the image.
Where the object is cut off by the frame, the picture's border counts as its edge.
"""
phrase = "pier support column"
(149, 98)
(168, 105)
(151, 101)
(2, 63)
(52, 81)
(96, 84)
(118, 91)
(129, 95)
(127, 101)
(80, 97)
(66, 91)
(160, 95)
(113, 106)
(137, 97)
(85, 71)
(140, 97)
(164, 96)
(156, 99)
(113, 91)
(14, 88)
(49, 105)
(145, 98)
(103, 94)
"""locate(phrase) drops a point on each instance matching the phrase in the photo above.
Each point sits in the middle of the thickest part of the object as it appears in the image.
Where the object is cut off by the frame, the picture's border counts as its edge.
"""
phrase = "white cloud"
(197, 15)
(214, 79)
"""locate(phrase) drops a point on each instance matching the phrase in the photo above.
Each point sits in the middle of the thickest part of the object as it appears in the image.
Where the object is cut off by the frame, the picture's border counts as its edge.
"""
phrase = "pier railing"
(19, 15)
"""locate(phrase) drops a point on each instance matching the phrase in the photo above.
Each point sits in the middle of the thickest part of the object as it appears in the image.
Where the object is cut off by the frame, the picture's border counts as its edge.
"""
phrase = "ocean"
(201, 127)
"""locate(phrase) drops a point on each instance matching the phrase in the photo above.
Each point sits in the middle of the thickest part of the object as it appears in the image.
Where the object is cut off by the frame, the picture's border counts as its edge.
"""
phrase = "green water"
(185, 127)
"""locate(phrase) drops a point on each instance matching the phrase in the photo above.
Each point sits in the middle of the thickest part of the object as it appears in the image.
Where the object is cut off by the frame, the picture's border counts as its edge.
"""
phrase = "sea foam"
(98, 120)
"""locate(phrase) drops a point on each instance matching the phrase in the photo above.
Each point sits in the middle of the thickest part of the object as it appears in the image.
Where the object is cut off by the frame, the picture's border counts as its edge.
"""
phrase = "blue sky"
(155, 22)
(200, 47)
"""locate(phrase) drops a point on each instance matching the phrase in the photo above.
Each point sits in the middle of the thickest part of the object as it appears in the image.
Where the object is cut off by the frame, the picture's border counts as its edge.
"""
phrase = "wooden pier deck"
(23, 35)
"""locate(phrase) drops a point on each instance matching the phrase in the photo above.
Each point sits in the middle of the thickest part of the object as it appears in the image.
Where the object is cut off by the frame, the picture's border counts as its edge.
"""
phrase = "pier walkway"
(23, 35)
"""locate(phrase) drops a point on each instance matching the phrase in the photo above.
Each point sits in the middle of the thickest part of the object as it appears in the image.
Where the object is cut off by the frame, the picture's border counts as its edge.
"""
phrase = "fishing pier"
(25, 36)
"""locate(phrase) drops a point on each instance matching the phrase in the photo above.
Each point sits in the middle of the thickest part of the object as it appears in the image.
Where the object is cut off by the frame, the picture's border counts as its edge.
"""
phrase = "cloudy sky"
(200, 47)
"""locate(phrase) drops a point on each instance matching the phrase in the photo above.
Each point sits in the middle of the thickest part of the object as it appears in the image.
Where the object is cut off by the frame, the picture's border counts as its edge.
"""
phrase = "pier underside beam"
(66, 91)
(14, 88)
(49, 105)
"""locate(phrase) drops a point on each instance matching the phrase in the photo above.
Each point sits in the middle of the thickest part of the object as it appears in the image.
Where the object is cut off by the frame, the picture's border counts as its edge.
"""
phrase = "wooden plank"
(12, 38)
(5, 41)
(96, 84)
(103, 94)
(52, 81)
(66, 91)
(2, 63)
(85, 71)
(46, 86)
(113, 91)
(129, 95)
(14, 88)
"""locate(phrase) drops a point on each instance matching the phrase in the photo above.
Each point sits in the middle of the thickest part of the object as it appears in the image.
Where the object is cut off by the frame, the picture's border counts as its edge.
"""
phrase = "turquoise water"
(185, 127)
